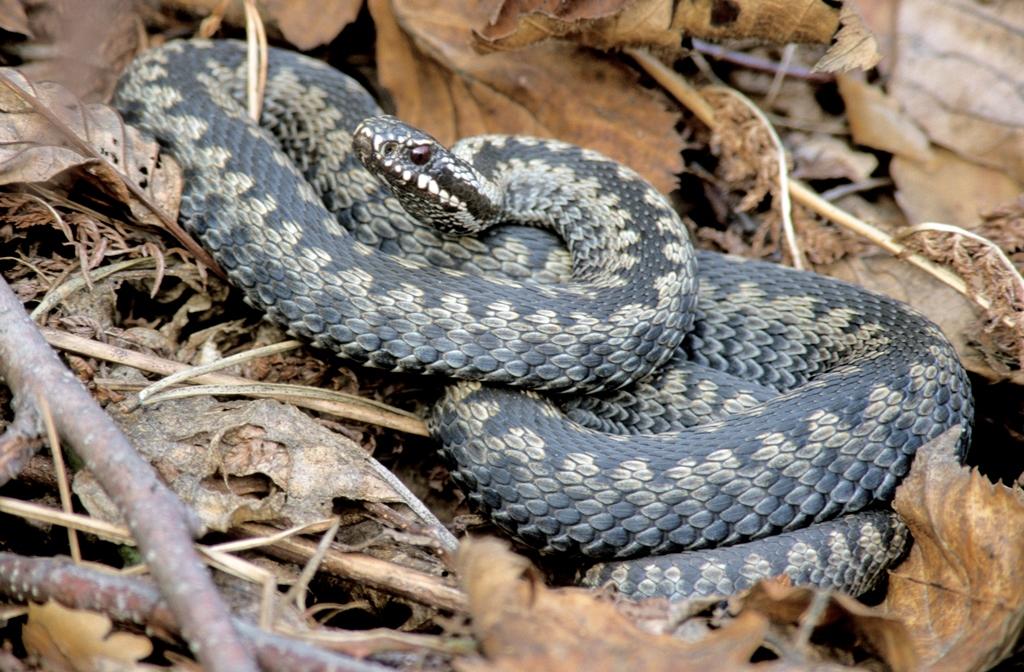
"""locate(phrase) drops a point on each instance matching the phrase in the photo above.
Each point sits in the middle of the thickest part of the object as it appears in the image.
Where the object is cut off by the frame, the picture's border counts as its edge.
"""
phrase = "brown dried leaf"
(974, 50)
(13, 18)
(79, 640)
(523, 625)
(884, 636)
(216, 456)
(84, 51)
(961, 590)
(304, 23)
(949, 189)
(615, 23)
(854, 48)
(823, 157)
(553, 90)
(310, 23)
(46, 131)
(876, 120)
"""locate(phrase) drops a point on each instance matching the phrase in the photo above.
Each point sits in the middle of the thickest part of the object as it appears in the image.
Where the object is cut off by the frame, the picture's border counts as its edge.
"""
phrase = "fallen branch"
(160, 523)
(133, 600)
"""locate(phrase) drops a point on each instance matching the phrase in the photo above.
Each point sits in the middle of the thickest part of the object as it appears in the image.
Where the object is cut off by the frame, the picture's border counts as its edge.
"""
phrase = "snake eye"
(420, 154)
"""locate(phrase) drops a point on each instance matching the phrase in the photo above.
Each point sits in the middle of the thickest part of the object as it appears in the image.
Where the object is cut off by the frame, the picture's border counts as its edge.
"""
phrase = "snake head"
(430, 182)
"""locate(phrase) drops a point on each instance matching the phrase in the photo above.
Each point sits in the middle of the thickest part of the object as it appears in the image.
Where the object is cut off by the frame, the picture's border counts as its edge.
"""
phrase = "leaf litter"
(955, 603)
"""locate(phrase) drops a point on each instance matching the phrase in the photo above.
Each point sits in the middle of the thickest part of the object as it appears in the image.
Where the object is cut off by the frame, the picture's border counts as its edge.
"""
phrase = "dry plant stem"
(297, 593)
(785, 206)
(803, 194)
(386, 576)
(63, 485)
(195, 371)
(676, 85)
(133, 600)
(378, 414)
(160, 523)
(761, 64)
(256, 60)
(1004, 261)
(695, 102)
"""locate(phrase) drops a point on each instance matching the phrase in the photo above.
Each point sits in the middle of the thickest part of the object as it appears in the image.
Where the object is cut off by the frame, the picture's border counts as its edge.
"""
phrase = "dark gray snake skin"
(750, 423)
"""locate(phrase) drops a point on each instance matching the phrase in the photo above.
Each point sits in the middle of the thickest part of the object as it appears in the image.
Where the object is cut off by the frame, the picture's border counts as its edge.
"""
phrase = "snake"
(681, 422)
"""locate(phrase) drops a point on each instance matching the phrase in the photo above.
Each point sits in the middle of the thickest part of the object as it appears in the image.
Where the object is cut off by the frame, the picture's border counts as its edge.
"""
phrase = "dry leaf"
(84, 51)
(13, 18)
(523, 625)
(243, 461)
(949, 189)
(958, 74)
(72, 639)
(823, 157)
(304, 23)
(553, 90)
(876, 120)
(615, 23)
(844, 616)
(961, 590)
(311, 23)
(854, 47)
(46, 131)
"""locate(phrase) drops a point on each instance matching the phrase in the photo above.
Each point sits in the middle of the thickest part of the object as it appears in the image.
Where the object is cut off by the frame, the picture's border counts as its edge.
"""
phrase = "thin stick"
(325, 401)
(61, 474)
(161, 524)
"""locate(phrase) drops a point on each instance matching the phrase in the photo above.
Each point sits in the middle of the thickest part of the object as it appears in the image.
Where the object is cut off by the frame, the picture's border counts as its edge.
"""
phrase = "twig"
(256, 60)
(133, 600)
(762, 64)
(805, 196)
(60, 472)
(780, 75)
(160, 523)
(362, 410)
(676, 85)
(196, 371)
(367, 570)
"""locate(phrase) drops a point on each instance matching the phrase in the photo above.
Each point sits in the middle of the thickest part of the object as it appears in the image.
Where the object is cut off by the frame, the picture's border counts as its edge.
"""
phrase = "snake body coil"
(813, 395)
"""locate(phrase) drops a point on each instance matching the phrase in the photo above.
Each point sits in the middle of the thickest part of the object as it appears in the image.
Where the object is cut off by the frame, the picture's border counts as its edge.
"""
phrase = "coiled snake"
(753, 421)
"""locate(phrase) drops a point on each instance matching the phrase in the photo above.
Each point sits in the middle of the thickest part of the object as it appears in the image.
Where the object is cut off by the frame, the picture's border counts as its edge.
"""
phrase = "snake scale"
(692, 420)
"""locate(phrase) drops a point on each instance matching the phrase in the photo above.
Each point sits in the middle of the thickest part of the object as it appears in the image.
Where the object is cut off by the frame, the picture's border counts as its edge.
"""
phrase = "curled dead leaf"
(46, 131)
(603, 24)
(244, 461)
(961, 590)
(441, 84)
(854, 47)
(846, 618)
(523, 625)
